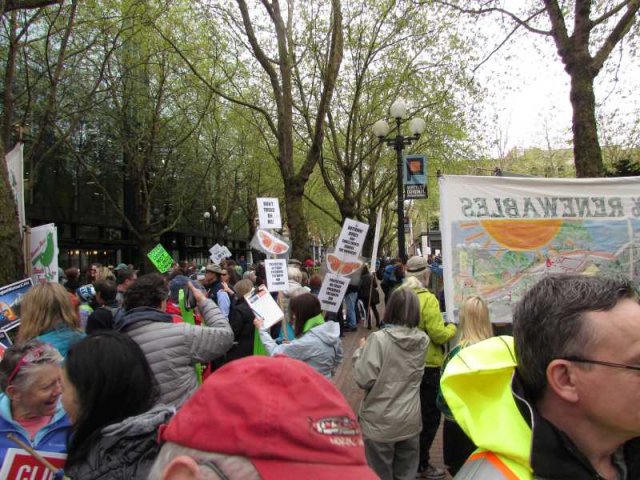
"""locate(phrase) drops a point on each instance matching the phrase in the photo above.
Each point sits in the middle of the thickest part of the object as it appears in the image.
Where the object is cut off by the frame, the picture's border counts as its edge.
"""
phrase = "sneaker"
(431, 473)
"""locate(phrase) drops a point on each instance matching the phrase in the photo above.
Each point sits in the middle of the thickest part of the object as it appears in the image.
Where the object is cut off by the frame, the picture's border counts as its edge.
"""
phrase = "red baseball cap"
(289, 420)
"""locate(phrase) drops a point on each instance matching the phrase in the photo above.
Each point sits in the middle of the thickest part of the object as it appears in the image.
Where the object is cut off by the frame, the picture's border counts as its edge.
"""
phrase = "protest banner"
(500, 235)
(21, 465)
(264, 306)
(160, 258)
(277, 275)
(43, 253)
(269, 213)
(332, 292)
(351, 238)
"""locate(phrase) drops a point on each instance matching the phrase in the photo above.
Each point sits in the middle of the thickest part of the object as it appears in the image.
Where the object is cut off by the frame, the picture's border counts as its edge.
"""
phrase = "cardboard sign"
(269, 213)
(10, 296)
(43, 252)
(277, 275)
(351, 238)
(160, 258)
(332, 292)
(264, 306)
(20, 465)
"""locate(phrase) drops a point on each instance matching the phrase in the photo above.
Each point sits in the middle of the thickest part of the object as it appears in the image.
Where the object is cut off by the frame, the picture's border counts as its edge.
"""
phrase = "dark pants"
(393, 461)
(456, 446)
(430, 413)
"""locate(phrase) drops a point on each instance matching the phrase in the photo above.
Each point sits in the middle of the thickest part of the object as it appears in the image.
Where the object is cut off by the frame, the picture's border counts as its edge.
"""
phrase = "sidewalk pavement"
(347, 385)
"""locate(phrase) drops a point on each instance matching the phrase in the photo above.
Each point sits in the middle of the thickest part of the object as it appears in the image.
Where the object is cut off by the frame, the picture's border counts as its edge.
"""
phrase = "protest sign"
(217, 254)
(16, 179)
(21, 465)
(351, 238)
(277, 276)
(160, 258)
(10, 296)
(44, 253)
(270, 243)
(500, 235)
(269, 213)
(264, 306)
(344, 266)
(376, 242)
(332, 292)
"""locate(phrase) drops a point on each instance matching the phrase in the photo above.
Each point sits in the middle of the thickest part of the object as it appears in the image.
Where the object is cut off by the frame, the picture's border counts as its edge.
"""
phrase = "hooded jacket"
(487, 399)
(173, 349)
(320, 347)
(124, 450)
(61, 337)
(431, 321)
(389, 368)
(51, 438)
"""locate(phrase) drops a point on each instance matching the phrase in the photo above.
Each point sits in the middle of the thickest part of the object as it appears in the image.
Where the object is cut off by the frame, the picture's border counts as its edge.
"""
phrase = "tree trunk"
(10, 243)
(586, 146)
(11, 267)
(296, 220)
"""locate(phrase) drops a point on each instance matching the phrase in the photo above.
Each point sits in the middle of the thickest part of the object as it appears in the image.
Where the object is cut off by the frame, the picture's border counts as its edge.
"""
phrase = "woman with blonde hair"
(474, 327)
(48, 315)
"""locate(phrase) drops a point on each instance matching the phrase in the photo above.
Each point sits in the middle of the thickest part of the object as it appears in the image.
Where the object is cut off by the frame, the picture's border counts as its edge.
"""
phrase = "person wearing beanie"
(417, 274)
(274, 418)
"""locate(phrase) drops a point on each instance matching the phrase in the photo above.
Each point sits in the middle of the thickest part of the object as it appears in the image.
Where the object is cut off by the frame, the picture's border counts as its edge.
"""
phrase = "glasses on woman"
(31, 356)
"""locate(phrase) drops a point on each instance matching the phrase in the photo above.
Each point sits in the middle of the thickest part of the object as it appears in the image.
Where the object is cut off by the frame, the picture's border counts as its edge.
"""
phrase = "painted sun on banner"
(501, 235)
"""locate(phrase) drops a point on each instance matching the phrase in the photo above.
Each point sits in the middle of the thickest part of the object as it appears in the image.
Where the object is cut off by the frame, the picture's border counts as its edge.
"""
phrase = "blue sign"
(415, 176)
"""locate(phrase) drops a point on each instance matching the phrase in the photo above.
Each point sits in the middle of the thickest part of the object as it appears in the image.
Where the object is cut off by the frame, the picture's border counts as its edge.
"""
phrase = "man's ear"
(561, 379)
(182, 467)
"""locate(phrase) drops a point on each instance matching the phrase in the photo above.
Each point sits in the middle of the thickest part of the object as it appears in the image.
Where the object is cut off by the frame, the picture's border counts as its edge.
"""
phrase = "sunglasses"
(31, 356)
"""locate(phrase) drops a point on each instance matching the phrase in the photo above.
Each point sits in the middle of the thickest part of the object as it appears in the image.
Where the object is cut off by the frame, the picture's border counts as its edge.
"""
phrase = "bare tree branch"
(481, 11)
(10, 5)
(619, 31)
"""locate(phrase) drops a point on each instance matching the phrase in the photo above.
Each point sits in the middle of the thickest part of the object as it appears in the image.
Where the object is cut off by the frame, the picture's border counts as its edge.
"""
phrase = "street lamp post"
(398, 141)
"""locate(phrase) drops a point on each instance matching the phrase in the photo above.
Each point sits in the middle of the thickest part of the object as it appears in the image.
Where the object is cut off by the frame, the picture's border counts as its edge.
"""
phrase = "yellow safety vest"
(477, 387)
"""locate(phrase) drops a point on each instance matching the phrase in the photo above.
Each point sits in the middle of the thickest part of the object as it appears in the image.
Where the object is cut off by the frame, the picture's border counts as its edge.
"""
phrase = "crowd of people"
(173, 377)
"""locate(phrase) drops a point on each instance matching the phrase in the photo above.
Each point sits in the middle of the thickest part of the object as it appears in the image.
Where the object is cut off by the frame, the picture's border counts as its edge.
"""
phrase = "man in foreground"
(570, 409)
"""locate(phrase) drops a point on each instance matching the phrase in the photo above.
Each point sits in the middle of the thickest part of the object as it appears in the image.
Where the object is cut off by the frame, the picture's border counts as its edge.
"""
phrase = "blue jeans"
(351, 299)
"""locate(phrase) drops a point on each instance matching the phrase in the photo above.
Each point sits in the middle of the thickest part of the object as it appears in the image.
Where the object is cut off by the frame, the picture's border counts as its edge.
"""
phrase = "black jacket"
(241, 321)
(102, 317)
(124, 451)
(554, 456)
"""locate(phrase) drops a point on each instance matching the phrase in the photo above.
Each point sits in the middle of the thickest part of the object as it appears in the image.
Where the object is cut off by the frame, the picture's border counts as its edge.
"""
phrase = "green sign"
(160, 258)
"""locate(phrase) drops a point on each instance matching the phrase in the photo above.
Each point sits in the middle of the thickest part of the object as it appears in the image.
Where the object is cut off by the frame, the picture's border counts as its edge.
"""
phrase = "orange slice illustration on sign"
(271, 243)
(340, 267)
(522, 234)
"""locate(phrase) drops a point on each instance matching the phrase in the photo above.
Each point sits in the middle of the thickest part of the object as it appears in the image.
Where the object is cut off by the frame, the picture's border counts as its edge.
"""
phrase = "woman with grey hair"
(29, 403)
(389, 366)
